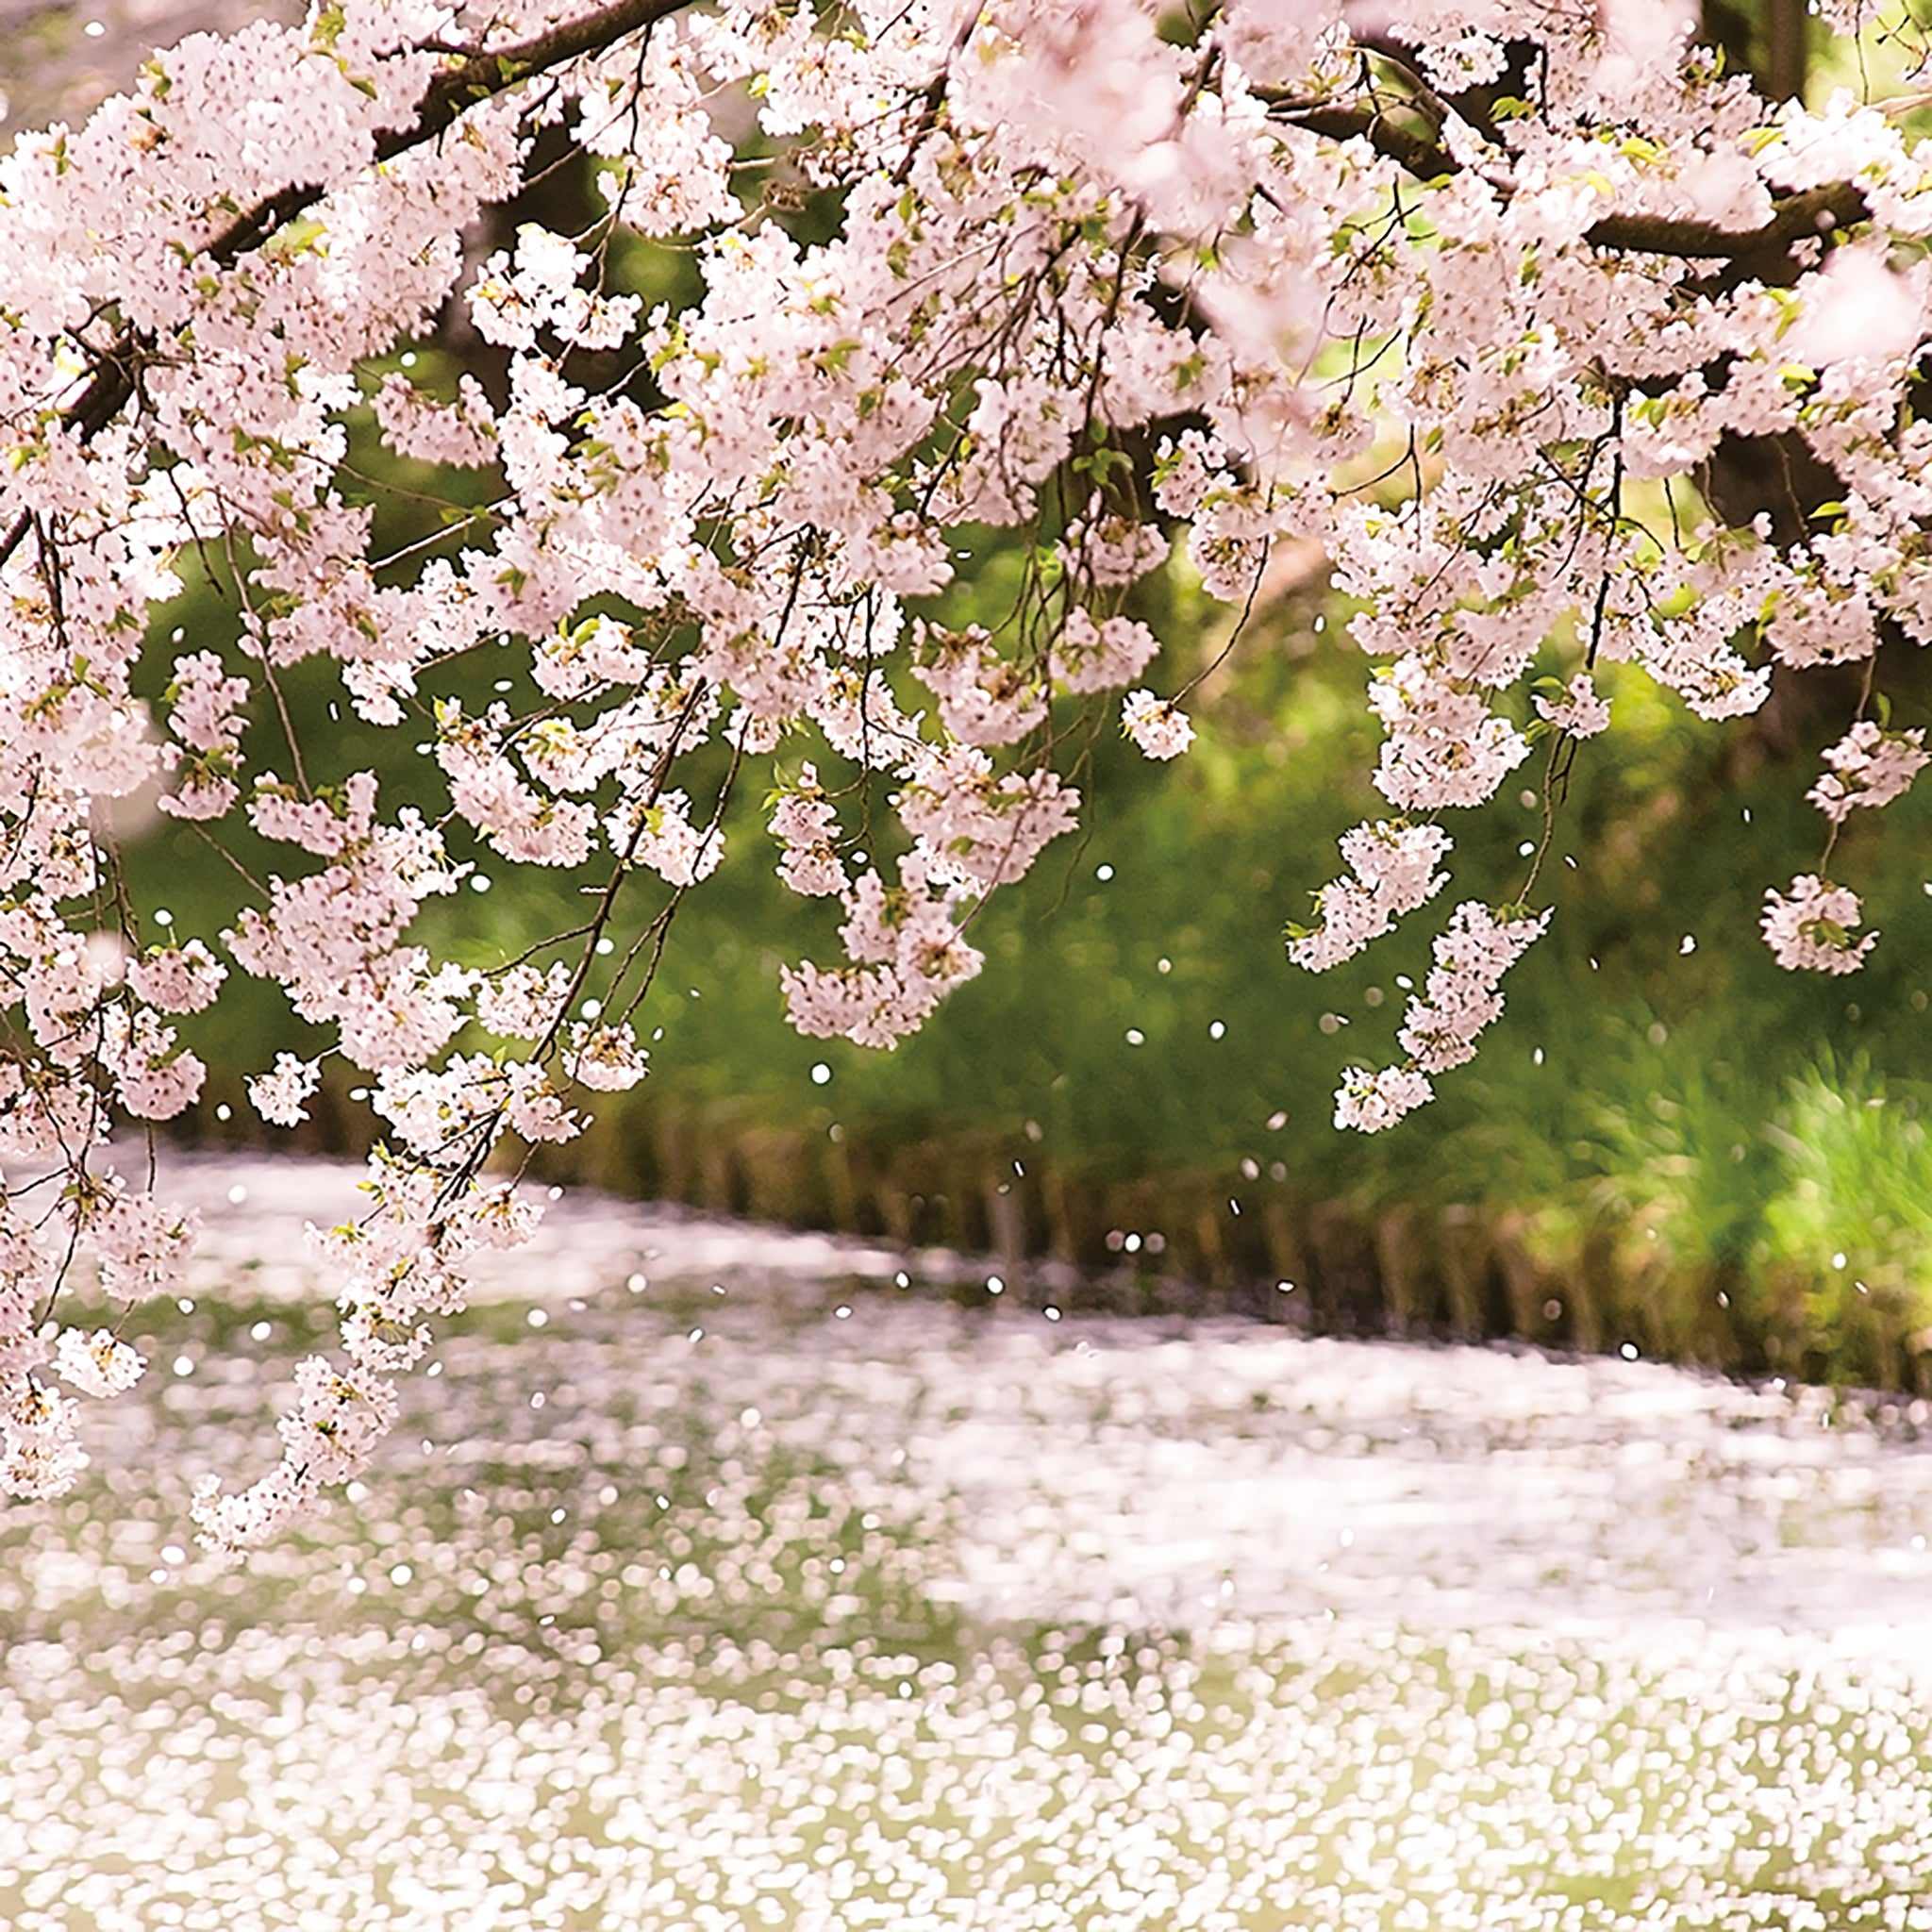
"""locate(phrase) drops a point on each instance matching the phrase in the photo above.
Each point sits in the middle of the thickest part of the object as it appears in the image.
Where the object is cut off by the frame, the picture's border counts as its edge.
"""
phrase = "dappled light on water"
(725, 1579)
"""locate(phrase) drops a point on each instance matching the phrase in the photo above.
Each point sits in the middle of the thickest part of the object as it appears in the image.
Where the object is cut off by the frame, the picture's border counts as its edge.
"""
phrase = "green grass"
(1137, 1022)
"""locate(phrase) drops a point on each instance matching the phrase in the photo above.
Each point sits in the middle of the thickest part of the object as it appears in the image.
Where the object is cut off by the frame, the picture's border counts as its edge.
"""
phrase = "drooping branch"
(1794, 218)
(113, 375)
(476, 78)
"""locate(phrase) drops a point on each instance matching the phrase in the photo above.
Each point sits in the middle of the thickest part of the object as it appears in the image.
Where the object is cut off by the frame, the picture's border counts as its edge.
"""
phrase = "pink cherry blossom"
(1370, 1101)
(1091, 656)
(1813, 928)
(180, 979)
(1579, 711)
(1159, 728)
(1868, 767)
(97, 1364)
(278, 1095)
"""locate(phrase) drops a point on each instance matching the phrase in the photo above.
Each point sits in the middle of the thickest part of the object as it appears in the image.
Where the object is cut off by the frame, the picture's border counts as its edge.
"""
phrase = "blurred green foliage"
(1658, 1083)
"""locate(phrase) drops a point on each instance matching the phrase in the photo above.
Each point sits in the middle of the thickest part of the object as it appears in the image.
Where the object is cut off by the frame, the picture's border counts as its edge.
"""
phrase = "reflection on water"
(720, 1579)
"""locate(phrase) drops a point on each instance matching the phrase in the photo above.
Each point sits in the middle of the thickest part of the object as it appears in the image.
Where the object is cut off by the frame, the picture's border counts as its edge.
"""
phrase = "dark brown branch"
(477, 79)
(1414, 154)
(473, 80)
(1764, 252)
(1794, 217)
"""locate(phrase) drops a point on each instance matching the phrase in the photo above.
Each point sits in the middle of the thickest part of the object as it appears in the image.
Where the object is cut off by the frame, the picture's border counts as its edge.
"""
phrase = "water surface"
(725, 1578)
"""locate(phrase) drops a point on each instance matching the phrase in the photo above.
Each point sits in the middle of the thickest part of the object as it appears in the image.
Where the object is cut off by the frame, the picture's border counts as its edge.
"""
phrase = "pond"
(727, 1578)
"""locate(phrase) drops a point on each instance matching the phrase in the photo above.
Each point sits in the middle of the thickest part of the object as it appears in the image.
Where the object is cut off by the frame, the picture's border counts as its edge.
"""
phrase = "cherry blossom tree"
(1582, 361)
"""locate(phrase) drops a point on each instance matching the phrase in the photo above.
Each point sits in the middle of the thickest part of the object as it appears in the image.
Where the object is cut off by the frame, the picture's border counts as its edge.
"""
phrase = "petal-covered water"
(719, 1578)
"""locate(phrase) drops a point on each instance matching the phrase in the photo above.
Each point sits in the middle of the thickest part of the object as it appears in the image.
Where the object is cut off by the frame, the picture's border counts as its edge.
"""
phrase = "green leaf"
(300, 237)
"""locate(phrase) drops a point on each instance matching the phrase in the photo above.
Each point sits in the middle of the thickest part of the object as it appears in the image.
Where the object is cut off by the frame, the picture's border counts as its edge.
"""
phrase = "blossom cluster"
(1868, 767)
(1438, 1029)
(1111, 290)
(1395, 867)
(1813, 928)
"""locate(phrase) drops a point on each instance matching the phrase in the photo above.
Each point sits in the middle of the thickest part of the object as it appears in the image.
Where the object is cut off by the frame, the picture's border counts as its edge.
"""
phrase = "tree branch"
(1794, 217)
(477, 77)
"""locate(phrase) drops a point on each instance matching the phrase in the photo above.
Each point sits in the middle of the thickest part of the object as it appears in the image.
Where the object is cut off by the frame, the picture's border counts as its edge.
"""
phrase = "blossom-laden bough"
(1492, 298)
